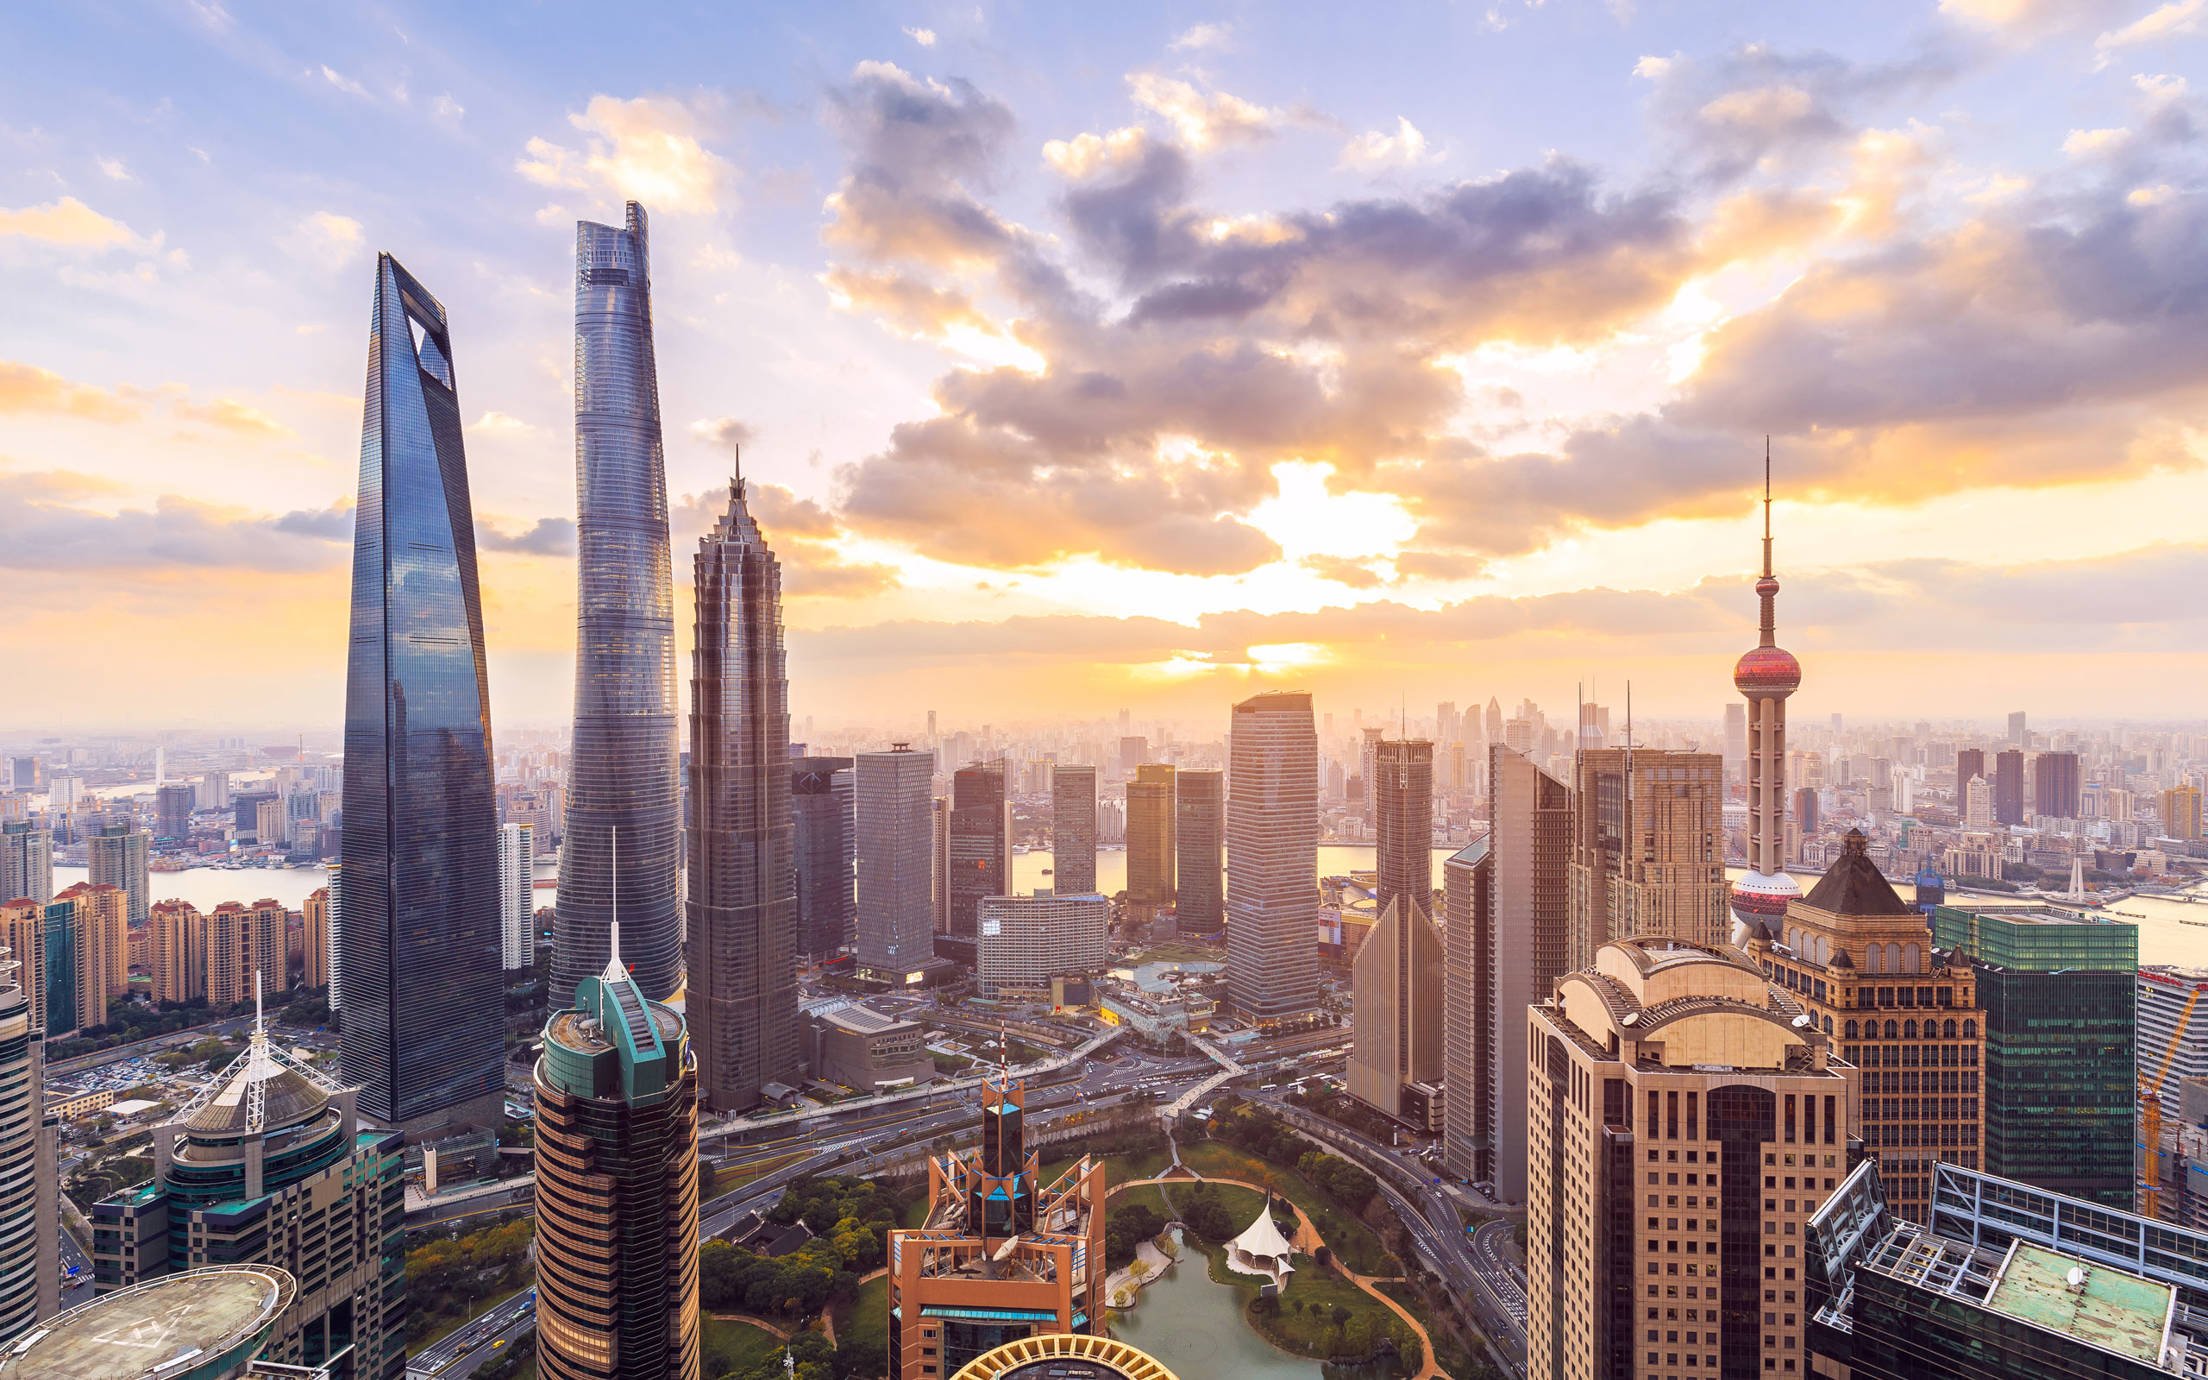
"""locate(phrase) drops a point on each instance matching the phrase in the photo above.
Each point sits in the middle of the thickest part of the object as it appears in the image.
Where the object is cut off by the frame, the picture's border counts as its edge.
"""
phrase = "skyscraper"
(172, 811)
(1969, 763)
(1669, 1058)
(742, 1004)
(270, 1165)
(26, 862)
(621, 772)
(117, 854)
(1648, 846)
(176, 950)
(823, 799)
(1468, 1008)
(30, 1213)
(617, 1187)
(1199, 852)
(2181, 813)
(315, 937)
(896, 815)
(245, 947)
(1736, 743)
(1273, 860)
(978, 859)
(1073, 828)
(423, 1035)
(2019, 734)
(2055, 784)
(1525, 935)
(1766, 674)
(517, 895)
(102, 949)
(2008, 786)
(1150, 835)
(1395, 1060)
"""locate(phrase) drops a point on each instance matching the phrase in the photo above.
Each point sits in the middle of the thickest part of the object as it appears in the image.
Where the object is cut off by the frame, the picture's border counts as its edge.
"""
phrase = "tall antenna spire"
(614, 971)
(1767, 588)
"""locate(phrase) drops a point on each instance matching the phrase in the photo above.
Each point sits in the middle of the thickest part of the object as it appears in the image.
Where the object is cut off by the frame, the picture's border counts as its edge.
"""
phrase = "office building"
(117, 855)
(823, 806)
(517, 895)
(172, 812)
(315, 939)
(423, 1036)
(977, 845)
(2055, 787)
(26, 862)
(1395, 1059)
(1736, 743)
(1199, 852)
(742, 999)
(212, 790)
(245, 945)
(212, 1323)
(1862, 961)
(1025, 941)
(30, 1177)
(102, 949)
(617, 1187)
(1525, 935)
(1001, 1256)
(896, 817)
(1648, 846)
(1273, 861)
(1134, 750)
(867, 1051)
(2008, 787)
(1766, 675)
(1150, 853)
(1468, 1048)
(2005, 1281)
(1970, 763)
(2059, 990)
(176, 951)
(2019, 734)
(1073, 828)
(271, 1166)
(621, 767)
(2181, 813)
(1686, 1119)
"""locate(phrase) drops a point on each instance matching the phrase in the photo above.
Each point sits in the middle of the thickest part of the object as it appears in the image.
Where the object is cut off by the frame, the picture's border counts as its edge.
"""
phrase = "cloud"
(2095, 143)
(70, 223)
(924, 37)
(920, 151)
(648, 149)
(447, 109)
(725, 432)
(1756, 107)
(504, 424)
(2178, 19)
(43, 526)
(551, 536)
(1203, 120)
(1373, 150)
(28, 388)
(228, 414)
(325, 238)
(344, 83)
(1199, 38)
(115, 170)
(2023, 18)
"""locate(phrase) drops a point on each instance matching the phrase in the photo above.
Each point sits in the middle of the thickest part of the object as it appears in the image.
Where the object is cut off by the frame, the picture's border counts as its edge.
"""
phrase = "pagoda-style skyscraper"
(622, 772)
(1766, 674)
(743, 885)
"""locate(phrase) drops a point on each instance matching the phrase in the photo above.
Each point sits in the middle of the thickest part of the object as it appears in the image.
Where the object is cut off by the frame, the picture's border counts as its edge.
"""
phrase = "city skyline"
(1560, 480)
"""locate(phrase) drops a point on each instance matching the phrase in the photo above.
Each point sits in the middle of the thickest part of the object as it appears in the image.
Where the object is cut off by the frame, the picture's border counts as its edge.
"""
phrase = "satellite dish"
(1630, 1018)
(1802, 1021)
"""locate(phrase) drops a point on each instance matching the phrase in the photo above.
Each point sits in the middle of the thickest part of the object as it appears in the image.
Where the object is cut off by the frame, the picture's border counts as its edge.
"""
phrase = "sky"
(1089, 357)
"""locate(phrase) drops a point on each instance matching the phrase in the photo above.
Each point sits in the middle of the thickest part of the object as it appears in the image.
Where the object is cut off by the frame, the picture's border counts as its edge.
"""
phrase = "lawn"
(725, 1346)
(1118, 1169)
(865, 1318)
(1356, 1243)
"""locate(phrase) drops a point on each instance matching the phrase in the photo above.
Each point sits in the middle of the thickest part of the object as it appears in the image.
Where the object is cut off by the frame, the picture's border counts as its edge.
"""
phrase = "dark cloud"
(546, 537)
(334, 523)
(920, 148)
(1733, 112)
(42, 526)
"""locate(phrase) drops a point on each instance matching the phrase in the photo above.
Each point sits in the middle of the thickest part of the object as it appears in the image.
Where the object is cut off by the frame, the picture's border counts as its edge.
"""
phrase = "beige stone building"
(176, 953)
(103, 948)
(244, 940)
(1648, 846)
(1685, 1118)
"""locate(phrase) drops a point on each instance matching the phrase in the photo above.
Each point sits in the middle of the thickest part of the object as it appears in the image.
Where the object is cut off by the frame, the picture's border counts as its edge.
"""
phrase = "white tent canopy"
(1261, 1250)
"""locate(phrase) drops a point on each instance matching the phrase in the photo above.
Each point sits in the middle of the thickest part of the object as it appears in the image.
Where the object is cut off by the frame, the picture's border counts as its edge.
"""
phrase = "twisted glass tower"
(743, 881)
(621, 775)
(422, 1037)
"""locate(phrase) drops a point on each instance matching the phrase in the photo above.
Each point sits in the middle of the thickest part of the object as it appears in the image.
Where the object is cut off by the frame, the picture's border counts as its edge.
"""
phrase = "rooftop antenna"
(614, 971)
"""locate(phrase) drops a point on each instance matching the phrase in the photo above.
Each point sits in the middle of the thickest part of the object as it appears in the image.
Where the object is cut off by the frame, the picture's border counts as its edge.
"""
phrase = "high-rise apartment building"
(1273, 860)
(271, 1166)
(517, 895)
(742, 999)
(23, 934)
(2059, 990)
(172, 811)
(978, 844)
(2019, 732)
(1395, 1059)
(245, 945)
(1025, 941)
(1002, 1254)
(1199, 852)
(117, 855)
(1150, 836)
(423, 1036)
(823, 803)
(1648, 846)
(1526, 934)
(1073, 828)
(315, 939)
(1468, 1039)
(102, 949)
(26, 862)
(2055, 784)
(896, 819)
(1969, 763)
(2008, 787)
(1686, 1119)
(176, 950)
(30, 1176)
(1861, 960)
(2181, 813)
(617, 1187)
(1766, 675)
(622, 766)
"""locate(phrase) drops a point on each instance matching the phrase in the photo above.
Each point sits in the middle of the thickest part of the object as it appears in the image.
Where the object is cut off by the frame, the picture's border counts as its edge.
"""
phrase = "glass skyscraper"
(742, 1002)
(823, 794)
(622, 772)
(422, 1037)
(1273, 861)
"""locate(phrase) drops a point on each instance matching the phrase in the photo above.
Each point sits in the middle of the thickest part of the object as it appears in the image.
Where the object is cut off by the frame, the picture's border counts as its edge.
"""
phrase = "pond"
(1195, 1327)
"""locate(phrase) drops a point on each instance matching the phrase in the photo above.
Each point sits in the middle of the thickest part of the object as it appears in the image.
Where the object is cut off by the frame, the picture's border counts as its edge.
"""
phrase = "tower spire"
(1767, 588)
(614, 971)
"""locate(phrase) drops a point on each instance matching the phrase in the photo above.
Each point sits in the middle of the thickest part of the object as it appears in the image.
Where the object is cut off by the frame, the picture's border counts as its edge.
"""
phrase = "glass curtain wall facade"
(1199, 844)
(1073, 828)
(622, 772)
(743, 884)
(822, 796)
(423, 1032)
(896, 819)
(1273, 860)
(30, 1248)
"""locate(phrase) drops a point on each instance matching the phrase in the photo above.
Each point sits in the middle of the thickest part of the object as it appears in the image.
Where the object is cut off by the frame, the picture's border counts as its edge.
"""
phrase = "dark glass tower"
(743, 884)
(422, 1036)
(823, 796)
(622, 772)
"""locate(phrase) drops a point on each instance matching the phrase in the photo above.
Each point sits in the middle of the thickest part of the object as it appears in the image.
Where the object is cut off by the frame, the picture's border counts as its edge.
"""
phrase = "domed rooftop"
(261, 1090)
(1767, 671)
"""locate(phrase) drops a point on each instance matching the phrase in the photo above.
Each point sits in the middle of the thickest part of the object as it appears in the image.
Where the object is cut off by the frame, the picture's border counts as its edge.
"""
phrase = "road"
(475, 1343)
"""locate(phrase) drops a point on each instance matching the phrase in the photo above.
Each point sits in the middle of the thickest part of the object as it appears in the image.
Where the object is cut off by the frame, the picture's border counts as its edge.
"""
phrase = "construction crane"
(2150, 1114)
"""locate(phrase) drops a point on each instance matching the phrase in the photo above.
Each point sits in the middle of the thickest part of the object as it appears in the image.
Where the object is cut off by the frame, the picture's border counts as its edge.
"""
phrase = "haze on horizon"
(1086, 362)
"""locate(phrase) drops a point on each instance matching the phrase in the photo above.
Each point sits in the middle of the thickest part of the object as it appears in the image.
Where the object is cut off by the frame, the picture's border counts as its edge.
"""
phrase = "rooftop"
(156, 1329)
(2109, 1309)
(1853, 885)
